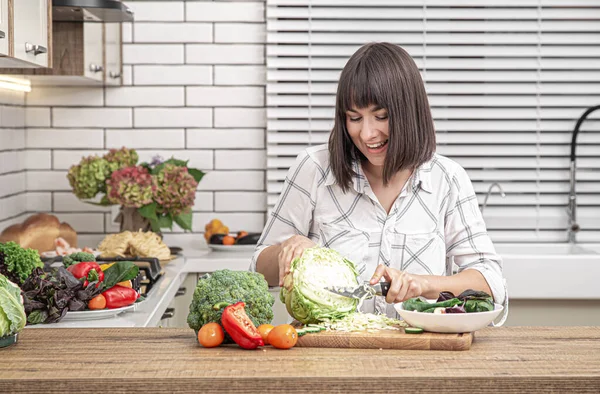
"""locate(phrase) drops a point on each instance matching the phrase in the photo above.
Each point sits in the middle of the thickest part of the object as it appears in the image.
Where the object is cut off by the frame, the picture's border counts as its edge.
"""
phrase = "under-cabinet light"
(20, 85)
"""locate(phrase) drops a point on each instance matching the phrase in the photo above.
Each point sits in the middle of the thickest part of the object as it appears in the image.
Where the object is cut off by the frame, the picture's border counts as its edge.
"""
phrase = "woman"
(379, 195)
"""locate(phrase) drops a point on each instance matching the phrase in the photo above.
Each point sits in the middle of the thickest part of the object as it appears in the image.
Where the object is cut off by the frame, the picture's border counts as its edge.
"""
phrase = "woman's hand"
(402, 285)
(290, 249)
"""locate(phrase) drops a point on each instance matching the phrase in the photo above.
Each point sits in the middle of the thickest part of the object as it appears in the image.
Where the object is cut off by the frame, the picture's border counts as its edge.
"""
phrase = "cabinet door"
(3, 27)
(280, 313)
(93, 55)
(112, 52)
(31, 31)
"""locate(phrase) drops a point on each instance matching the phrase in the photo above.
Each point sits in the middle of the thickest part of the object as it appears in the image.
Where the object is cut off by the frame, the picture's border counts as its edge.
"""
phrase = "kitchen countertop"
(205, 260)
(508, 359)
(147, 313)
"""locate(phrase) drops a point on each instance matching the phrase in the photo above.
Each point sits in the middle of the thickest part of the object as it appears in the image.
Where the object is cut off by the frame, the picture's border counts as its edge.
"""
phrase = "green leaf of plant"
(104, 202)
(165, 221)
(177, 162)
(197, 174)
(155, 226)
(157, 169)
(146, 166)
(37, 317)
(119, 272)
(184, 220)
(149, 211)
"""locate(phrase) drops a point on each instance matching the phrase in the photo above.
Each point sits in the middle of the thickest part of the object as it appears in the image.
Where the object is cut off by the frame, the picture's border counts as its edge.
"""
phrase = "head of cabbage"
(12, 311)
(303, 291)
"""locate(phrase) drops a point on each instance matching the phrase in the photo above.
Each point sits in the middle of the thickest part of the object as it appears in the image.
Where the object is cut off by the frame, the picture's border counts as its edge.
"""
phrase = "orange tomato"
(264, 330)
(284, 336)
(228, 240)
(241, 234)
(211, 335)
(98, 302)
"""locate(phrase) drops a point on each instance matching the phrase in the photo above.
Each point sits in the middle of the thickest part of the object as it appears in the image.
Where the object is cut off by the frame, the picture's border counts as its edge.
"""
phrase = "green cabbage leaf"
(303, 291)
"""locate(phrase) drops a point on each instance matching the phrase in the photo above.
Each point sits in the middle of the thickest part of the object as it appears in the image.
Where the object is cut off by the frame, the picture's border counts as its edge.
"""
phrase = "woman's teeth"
(375, 146)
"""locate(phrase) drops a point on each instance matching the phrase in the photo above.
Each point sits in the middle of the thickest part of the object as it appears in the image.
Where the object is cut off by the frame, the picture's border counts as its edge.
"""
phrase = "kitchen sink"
(543, 249)
(551, 271)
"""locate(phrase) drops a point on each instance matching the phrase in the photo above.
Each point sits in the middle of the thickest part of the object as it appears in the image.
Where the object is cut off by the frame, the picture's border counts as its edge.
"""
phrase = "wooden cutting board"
(387, 339)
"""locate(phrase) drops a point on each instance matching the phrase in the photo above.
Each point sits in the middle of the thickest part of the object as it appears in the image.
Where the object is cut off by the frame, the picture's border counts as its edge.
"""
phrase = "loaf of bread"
(39, 232)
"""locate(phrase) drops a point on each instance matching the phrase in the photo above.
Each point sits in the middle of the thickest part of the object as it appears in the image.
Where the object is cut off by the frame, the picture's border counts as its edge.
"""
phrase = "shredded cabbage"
(363, 322)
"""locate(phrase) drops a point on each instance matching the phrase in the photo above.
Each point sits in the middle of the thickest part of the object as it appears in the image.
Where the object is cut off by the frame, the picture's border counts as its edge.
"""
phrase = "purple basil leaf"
(445, 296)
(473, 295)
(456, 309)
(76, 305)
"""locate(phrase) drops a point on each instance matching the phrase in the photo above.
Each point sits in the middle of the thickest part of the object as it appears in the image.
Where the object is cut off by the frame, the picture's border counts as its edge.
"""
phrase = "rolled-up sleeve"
(467, 240)
(293, 211)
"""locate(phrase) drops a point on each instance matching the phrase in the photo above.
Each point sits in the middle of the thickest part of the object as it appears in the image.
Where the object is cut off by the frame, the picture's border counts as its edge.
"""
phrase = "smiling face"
(380, 98)
(369, 130)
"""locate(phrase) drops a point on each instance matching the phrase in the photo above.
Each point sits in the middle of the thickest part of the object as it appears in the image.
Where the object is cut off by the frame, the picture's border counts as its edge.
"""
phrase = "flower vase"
(129, 219)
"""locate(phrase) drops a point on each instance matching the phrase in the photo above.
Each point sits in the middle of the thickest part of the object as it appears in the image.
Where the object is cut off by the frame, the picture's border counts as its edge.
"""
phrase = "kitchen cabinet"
(85, 53)
(113, 54)
(179, 308)
(25, 33)
(4, 28)
(280, 314)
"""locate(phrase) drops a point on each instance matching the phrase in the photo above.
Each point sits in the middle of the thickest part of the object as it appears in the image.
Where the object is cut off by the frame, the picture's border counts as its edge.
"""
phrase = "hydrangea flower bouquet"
(151, 195)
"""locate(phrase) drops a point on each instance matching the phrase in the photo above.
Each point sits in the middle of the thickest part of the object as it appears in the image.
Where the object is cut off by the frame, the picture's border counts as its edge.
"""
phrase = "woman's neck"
(375, 174)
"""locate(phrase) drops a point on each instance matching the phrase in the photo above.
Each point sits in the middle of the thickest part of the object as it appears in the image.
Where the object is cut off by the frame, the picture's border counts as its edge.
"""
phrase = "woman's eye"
(355, 119)
(382, 117)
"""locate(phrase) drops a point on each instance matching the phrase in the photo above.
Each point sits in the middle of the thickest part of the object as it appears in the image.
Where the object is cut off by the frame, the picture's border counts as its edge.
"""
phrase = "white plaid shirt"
(435, 220)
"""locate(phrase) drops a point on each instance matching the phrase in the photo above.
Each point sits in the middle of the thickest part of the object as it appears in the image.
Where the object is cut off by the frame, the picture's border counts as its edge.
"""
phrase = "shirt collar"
(421, 177)
(358, 180)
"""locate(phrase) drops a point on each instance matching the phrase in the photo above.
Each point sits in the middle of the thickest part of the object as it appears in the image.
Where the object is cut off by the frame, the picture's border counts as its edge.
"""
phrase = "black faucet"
(573, 226)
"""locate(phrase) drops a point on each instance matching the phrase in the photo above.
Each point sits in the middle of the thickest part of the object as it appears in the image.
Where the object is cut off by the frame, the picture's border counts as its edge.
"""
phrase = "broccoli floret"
(77, 257)
(226, 286)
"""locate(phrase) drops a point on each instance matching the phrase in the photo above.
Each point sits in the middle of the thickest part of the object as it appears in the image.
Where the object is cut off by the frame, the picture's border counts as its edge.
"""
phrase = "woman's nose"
(368, 130)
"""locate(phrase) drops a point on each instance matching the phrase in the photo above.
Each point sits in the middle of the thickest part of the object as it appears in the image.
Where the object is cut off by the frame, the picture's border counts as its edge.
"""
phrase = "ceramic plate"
(97, 314)
(451, 322)
(232, 248)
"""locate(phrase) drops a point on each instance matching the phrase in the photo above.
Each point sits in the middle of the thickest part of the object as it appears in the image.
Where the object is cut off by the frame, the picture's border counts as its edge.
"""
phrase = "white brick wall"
(194, 88)
(13, 156)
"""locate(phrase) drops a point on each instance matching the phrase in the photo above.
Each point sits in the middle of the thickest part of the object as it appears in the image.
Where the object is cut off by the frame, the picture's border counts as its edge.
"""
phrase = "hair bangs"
(362, 88)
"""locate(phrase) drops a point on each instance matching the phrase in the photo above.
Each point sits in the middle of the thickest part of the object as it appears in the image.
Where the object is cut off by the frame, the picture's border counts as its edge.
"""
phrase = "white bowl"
(449, 322)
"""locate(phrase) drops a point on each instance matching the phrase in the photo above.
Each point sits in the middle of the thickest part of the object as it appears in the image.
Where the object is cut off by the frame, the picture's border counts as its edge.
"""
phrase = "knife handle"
(385, 286)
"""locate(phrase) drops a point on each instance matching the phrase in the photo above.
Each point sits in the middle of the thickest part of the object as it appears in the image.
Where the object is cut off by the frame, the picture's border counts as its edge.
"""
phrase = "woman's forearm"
(467, 279)
(267, 264)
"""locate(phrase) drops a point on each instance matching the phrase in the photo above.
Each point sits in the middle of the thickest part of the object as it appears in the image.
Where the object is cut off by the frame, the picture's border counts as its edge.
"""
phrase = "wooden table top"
(508, 359)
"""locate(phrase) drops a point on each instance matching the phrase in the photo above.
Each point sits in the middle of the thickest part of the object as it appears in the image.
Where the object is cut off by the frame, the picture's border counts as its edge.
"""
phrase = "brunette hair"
(385, 75)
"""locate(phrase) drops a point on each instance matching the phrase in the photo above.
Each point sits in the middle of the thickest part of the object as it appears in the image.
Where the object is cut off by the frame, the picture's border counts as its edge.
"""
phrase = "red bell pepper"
(90, 271)
(239, 326)
(119, 296)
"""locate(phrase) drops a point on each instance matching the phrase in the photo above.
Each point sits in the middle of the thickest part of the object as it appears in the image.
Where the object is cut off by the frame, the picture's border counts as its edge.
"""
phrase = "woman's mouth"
(378, 147)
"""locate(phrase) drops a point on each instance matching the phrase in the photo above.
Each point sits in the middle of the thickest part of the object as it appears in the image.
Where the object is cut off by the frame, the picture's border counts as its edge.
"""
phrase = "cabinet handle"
(96, 68)
(36, 49)
(2, 34)
(114, 75)
(180, 292)
(169, 313)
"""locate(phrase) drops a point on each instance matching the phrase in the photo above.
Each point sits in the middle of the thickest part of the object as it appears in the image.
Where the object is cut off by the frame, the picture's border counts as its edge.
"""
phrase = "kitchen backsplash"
(13, 157)
(194, 76)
